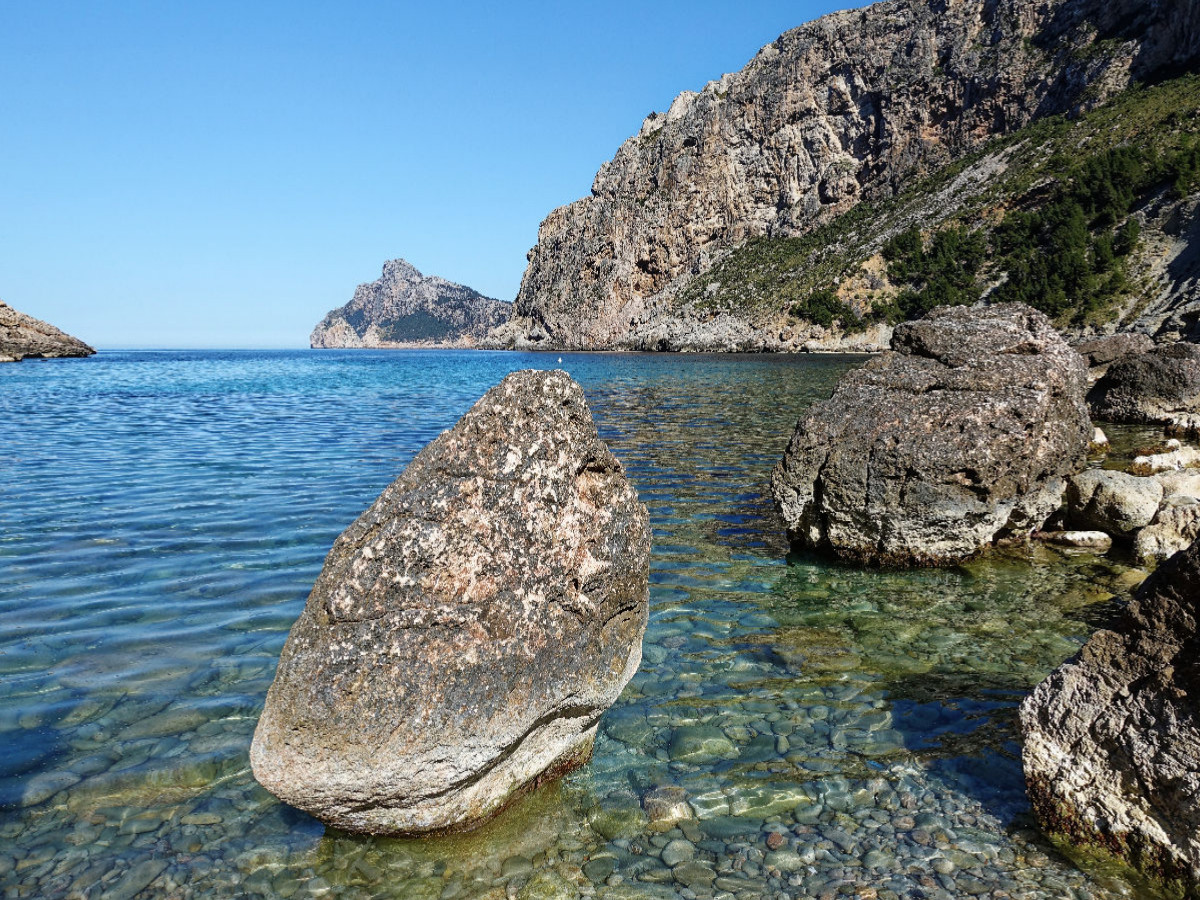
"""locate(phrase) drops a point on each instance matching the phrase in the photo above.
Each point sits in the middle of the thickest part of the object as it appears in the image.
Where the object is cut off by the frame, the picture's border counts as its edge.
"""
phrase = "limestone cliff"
(405, 308)
(854, 106)
(23, 336)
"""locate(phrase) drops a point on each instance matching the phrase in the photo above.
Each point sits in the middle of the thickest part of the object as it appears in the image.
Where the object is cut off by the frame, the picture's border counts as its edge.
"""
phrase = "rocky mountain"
(405, 308)
(23, 336)
(843, 113)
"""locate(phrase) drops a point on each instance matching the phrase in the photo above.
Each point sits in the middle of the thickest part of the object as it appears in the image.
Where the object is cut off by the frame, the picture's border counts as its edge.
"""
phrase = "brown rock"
(1112, 737)
(467, 632)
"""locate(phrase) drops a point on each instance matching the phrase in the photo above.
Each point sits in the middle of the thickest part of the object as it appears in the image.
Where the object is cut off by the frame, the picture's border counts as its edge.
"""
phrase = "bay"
(164, 514)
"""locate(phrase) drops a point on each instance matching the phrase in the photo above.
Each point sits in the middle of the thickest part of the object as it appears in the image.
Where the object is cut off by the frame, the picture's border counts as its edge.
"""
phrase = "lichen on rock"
(1112, 737)
(962, 434)
(468, 630)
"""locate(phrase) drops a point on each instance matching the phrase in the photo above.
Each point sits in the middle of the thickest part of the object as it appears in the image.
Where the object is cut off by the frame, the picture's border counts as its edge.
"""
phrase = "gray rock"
(1150, 388)
(405, 308)
(467, 632)
(1112, 737)
(678, 851)
(962, 435)
(1108, 349)
(1114, 502)
(667, 804)
(22, 337)
(1175, 527)
(1086, 540)
(700, 744)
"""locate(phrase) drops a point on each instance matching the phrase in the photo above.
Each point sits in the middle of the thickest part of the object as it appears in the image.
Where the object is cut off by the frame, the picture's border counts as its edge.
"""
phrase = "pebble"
(677, 851)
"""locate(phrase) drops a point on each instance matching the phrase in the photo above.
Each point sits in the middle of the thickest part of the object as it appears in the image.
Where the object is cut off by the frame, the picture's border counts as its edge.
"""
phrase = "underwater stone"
(468, 630)
(1112, 737)
(963, 434)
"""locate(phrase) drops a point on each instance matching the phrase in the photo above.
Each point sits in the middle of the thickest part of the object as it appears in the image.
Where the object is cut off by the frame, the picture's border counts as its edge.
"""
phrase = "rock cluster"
(467, 632)
(1112, 737)
(963, 434)
(23, 336)
(846, 108)
(1157, 512)
(405, 308)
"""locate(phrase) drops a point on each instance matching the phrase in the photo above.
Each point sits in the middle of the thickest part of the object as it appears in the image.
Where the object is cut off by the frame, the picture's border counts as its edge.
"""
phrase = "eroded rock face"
(846, 108)
(23, 336)
(1153, 388)
(963, 434)
(467, 632)
(405, 308)
(1102, 351)
(1112, 737)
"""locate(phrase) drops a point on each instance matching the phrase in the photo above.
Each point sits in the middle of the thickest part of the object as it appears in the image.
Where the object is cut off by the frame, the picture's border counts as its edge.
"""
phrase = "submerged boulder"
(468, 630)
(963, 434)
(1112, 737)
(1154, 388)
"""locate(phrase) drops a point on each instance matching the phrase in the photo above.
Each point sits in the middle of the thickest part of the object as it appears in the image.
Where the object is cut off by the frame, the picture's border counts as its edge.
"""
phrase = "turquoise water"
(163, 515)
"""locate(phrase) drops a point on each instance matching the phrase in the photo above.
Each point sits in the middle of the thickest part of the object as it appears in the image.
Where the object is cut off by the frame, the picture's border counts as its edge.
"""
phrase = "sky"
(222, 174)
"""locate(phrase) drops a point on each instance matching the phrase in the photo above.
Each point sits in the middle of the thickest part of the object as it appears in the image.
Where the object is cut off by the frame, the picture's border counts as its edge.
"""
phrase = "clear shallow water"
(163, 515)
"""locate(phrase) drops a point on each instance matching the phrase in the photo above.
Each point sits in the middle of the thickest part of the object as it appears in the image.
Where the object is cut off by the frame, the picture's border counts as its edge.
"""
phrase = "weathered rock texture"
(849, 107)
(1112, 737)
(23, 336)
(962, 435)
(467, 632)
(1100, 352)
(1153, 388)
(404, 308)
(1116, 503)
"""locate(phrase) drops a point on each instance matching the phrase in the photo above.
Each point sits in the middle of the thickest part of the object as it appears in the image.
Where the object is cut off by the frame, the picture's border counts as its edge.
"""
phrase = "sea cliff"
(851, 109)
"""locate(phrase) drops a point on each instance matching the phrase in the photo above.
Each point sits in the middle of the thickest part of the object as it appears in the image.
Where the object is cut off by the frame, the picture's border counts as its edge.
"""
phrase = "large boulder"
(962, 434)
(1112, 737)
(1153, 388)
(468, 630)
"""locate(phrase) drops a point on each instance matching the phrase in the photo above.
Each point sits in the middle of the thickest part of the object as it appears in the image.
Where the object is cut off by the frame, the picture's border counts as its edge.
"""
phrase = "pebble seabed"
(797, 728)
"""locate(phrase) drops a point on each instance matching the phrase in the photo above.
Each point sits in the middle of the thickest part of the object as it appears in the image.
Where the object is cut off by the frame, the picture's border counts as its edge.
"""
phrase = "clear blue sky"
(221, 174)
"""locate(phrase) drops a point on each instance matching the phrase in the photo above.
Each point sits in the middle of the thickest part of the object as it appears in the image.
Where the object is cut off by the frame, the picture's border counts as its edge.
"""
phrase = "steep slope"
(23, 336)
(849, 108)
(1093, 220)
(405, 308)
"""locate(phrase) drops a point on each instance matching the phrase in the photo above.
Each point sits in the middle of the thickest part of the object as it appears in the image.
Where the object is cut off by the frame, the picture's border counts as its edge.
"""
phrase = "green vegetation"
(824, 308)
(1045, 218)
(941, 272)
(418, 326)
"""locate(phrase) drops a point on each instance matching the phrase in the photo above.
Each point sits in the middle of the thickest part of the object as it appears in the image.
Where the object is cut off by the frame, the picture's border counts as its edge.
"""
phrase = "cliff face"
(850, 107)
(23, 336)
(405, 308)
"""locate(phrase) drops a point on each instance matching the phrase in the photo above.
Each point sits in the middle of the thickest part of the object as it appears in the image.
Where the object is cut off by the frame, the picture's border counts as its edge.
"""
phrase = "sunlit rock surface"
(963, 434)
(23, 336)
(1112, 737)
(469, 629)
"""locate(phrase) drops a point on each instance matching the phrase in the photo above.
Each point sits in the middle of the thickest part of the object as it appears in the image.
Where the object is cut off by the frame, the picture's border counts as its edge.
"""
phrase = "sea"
(837, 732)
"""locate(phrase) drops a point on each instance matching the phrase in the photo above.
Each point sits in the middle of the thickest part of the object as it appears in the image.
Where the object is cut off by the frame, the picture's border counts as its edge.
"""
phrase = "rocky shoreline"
(24, 337)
